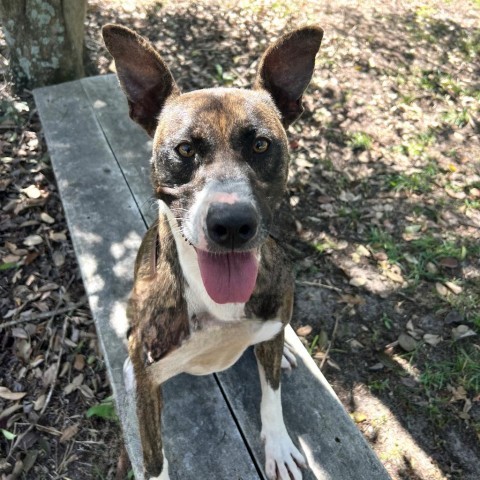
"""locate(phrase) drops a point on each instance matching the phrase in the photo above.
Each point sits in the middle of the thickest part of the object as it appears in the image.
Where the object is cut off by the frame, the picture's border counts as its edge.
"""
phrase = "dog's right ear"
(144, 76)
(286, 68)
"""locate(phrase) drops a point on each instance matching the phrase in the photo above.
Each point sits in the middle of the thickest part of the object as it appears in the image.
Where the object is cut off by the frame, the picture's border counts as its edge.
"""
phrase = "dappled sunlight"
(397, 443)
(119, 320)
(313, 464)
(124, 254)
(96, 282)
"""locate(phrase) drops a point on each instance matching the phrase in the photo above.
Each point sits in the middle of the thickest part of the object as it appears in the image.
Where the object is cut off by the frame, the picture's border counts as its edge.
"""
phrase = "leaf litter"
(388, 136)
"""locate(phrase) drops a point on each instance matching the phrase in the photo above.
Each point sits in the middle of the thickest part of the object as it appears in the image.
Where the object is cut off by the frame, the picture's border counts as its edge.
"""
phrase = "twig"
(330, 343)
(43, 315)
(320, 285)
(50, 391)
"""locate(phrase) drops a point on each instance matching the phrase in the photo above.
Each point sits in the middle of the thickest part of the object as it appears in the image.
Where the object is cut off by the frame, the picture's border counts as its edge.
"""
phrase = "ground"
(385, 190)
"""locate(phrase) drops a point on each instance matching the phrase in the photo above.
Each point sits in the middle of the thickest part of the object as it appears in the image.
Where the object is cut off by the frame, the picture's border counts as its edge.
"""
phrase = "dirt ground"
(385, 192)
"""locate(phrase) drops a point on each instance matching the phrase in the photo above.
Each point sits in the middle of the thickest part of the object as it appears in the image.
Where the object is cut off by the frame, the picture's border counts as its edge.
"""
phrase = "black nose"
(231, 225)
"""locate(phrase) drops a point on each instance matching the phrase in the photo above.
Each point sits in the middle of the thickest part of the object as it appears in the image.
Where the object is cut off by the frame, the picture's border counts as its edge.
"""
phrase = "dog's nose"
(231, 225)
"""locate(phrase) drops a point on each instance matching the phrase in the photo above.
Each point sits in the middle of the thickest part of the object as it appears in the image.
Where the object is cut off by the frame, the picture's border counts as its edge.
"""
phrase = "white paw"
(289, 360)
(282, 458)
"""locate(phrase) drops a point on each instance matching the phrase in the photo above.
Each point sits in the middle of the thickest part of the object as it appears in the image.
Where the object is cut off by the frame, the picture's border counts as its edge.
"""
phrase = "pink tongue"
(228, 277)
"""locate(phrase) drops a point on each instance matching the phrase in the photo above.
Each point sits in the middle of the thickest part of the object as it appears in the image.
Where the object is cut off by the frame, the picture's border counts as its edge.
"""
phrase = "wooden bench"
(212, 423)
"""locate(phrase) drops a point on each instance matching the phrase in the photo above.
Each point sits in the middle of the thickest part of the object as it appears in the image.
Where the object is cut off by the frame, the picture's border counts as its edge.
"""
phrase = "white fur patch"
(282, 458)
(164, 475)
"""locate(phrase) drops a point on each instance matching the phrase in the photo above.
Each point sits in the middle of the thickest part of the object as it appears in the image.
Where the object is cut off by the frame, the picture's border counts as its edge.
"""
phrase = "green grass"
(360, 141)
(457, 118)
(424, 250)
(463, 369)
(440, 82)
(417, 182)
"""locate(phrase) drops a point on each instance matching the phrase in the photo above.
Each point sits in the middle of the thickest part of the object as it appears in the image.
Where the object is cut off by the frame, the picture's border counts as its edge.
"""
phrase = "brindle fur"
(221, 124)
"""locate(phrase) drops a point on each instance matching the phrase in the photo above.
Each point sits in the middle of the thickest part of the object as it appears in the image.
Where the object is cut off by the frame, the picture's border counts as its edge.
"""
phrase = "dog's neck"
(198, 300)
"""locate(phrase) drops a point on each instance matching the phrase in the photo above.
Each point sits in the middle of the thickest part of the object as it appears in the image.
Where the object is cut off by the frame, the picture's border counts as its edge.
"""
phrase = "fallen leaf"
(396, 277)
(39, 402)
(456, 289)
(363, 251)
(79, 363)
(49, 375)
(441, 289)
(33, 240)
(32, 191)
(57, 236)
(69, 433)
(431, 268)
(462, 331)
(358, 281)
(449, 262)
(9, 395)
(431, 339)
(304, 330)
(358, 417)
(45, 217)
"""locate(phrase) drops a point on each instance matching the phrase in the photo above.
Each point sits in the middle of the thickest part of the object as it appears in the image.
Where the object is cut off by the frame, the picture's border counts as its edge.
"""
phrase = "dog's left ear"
(286, 69)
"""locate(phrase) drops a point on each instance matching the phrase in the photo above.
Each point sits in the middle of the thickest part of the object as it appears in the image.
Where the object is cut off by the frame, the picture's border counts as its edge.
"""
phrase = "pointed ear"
(286, 69)
(144, 76)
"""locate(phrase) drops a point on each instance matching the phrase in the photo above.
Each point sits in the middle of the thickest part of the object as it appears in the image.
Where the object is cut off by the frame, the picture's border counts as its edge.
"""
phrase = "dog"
(210, 279)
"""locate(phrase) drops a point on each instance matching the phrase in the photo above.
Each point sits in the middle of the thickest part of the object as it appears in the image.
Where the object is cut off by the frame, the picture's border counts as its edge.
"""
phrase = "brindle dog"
(210, 279)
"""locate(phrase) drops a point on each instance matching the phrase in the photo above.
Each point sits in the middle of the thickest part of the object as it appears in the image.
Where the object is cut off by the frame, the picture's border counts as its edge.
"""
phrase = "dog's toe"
(283, 459)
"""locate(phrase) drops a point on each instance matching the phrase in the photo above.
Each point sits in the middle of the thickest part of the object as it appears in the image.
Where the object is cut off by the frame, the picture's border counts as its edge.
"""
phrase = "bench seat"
(212, 423)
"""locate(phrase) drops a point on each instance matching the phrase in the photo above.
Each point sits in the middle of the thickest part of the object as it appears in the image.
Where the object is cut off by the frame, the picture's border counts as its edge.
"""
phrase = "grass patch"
(417, 182)
(440, 82)
(462, 370)
(457, 118)
(414, 256)
(360, 141)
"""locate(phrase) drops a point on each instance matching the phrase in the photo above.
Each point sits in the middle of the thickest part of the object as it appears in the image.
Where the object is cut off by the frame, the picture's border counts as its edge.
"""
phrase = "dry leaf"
(358, 281)
(45, 217)
(9, 395)
(32, 191)
(69, 433)
(304, 331)
(57, 236)
(79, 363)
(49, 375)
(462, 331)
(39, 402)
(431, 339)
(456, 289)
(33, 240)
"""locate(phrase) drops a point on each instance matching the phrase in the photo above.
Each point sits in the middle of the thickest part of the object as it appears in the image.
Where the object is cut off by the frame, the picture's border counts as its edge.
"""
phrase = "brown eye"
(260, 145)
(186, 150)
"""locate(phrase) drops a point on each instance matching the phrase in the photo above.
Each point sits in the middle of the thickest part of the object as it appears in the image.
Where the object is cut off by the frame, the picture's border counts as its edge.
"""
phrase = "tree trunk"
(45, 39)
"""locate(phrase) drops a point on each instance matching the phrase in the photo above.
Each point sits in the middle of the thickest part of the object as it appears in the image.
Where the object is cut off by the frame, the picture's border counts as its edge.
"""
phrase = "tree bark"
(45, 39)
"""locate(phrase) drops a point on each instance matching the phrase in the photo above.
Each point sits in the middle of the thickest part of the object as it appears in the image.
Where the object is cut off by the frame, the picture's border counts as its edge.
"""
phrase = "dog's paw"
(289, 361)
(282, 458)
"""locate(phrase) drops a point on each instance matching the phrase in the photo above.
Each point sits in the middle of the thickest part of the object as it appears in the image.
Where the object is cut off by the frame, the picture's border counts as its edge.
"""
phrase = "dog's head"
(220, 155)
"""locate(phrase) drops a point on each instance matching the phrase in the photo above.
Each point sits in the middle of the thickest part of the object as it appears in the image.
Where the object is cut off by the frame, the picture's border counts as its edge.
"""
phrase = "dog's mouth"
(228, 277)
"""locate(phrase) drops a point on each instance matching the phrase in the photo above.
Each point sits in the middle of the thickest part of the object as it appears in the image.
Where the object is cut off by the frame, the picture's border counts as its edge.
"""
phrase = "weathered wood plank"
(130, 144)
(314, 416)
(333, 446)
(201, 439)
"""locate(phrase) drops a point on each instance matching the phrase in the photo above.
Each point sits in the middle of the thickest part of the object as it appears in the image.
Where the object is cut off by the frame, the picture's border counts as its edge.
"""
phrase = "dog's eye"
(260, 145)
(186, 150)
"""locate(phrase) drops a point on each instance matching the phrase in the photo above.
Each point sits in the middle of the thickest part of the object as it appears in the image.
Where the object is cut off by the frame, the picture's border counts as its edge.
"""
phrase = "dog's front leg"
(282, 458)
(148, 397)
